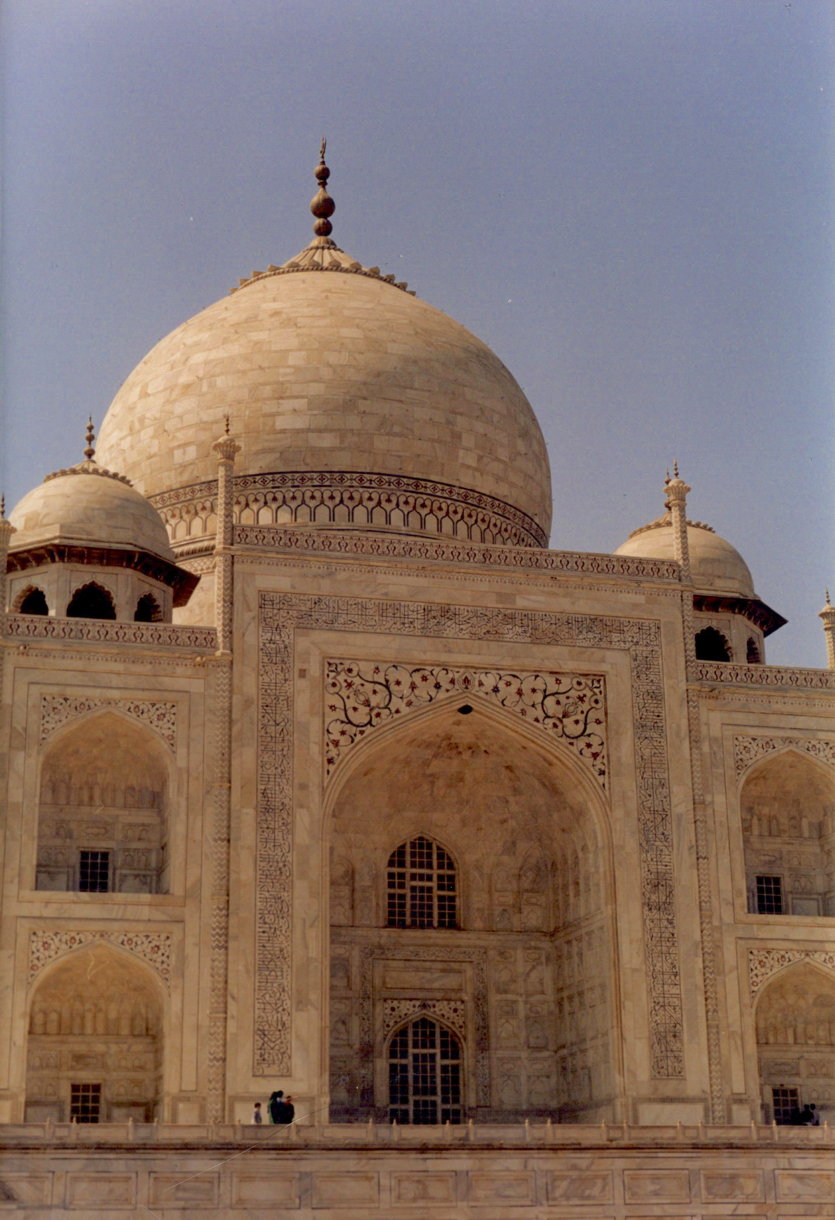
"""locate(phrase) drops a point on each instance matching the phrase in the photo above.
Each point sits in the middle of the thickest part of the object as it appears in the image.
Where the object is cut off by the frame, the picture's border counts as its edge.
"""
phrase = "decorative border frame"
(280, 615)
(364, 695)
(46, 945)
(58, 710)
(764, 963)
(750, 749)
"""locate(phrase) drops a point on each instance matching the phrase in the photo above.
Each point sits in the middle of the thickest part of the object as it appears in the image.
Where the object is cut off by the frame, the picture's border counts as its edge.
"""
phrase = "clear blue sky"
(629, 200)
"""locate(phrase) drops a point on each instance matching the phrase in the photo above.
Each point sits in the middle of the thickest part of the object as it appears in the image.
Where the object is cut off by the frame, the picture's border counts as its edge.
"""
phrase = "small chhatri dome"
(356, 406)
(86, 506)
(715, 565)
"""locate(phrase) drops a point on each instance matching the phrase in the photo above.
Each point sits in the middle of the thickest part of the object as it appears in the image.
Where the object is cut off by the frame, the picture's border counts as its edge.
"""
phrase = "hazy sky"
(629, 200)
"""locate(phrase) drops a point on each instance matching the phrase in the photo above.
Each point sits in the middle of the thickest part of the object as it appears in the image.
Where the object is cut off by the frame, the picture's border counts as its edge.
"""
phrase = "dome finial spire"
(90, 449)
(321, 205)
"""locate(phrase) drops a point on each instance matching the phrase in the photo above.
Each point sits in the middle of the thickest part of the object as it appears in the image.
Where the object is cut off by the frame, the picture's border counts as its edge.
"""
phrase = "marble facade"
(618, 935)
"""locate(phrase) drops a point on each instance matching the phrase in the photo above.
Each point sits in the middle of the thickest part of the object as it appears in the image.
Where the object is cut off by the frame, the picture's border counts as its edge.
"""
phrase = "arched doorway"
(425, 1074)
(469, 879)
(94, 1049)
(786, 806)
(795, 1018)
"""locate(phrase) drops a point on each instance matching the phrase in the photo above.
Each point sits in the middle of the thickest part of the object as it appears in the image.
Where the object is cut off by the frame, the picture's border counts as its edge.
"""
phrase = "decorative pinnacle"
(321, 205)
(3, 514)
(89, 451)
(676, 489)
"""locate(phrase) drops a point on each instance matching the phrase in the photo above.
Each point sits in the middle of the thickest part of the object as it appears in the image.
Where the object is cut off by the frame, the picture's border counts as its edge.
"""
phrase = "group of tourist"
(280, 1109)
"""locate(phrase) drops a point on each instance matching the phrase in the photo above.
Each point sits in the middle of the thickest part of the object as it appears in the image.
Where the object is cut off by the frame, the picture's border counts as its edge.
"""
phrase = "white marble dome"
(333, 376)
(715, 565)
(90, 507)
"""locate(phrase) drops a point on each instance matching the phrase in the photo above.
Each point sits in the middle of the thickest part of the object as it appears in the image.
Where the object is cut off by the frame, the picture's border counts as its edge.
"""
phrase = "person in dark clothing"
(276, 1106)
(290, 1109)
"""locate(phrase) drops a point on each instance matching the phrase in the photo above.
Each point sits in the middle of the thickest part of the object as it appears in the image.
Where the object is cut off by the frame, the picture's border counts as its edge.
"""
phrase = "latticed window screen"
(421, 886)
(769, 895)
(94, 871)
(784, 1105)
(425, 1074)
(85, 1102)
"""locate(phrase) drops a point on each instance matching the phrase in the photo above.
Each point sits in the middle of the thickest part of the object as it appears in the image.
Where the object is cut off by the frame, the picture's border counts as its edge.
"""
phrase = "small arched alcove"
(102, 817)
(95, 1041)
(31, 600)
(787, 803)
(711, 645)
(795, 1018)
(471, 809)
(91, 601)
(148, 610)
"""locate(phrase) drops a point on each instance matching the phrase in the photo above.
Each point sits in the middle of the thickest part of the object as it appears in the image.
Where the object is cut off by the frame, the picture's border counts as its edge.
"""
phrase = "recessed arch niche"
(102, 810)
(787, 806)
(530, 959)
(95, 1022)
(795, 1023)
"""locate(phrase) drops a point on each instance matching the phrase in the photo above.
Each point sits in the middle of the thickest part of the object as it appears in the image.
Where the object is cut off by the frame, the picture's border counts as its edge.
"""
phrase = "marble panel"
(579, 1187)
(170, 1189)
(417, 977)
(32, 1189)
(720, 1186)
(510, 1189)
(805, 1186)
(656, 1185)
(273, 1190)
(100, 1190)
(426, 1188)
(346, 1190)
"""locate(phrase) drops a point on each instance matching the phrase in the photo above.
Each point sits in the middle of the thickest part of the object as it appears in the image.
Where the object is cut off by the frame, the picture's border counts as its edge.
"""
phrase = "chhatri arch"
(526, 978)
(95, 1038)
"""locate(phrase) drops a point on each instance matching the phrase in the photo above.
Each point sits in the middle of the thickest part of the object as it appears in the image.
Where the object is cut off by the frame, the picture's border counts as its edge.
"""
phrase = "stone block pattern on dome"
(329, 373)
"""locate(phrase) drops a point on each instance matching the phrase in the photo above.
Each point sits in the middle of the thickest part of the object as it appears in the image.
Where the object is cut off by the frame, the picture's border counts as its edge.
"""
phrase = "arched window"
(147, 610)
(752, 652)
(33, 602)
(425, 1074)
(421, 886)
(711, 645)
(91, 601)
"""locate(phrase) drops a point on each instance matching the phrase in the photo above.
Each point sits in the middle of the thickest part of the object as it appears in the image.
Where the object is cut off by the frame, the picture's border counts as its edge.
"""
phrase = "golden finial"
(827, 598)
(3, 514)
(226, 424)
(321, 205)
(675, 468)
(89, 451)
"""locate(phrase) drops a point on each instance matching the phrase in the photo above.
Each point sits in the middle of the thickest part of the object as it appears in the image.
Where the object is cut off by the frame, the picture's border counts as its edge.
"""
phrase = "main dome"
(354, 403)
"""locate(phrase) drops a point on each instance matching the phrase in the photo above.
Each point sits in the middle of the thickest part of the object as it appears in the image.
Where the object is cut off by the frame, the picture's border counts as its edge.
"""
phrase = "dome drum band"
(334, 498)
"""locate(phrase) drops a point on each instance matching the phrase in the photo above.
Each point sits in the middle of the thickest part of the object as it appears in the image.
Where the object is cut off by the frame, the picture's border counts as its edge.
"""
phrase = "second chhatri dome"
(327, 368)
